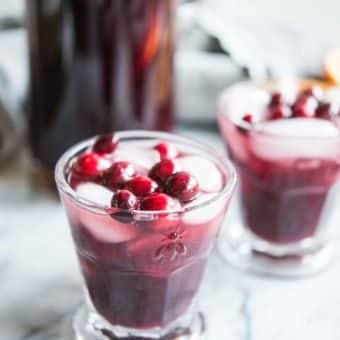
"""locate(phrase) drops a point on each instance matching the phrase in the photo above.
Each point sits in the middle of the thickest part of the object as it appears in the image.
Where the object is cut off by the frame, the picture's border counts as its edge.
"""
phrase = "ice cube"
(94, 193)
(235, 106)
(140, 157)
(205, 213)
(288, 87)
(107, 229)
(103, 226)
(206, 172)
(300, 127)
(295, 138)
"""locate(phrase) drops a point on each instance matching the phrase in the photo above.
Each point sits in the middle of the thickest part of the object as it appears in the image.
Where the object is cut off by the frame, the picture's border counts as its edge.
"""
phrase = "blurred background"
(316, 16)
(265, 37)
(219, 43)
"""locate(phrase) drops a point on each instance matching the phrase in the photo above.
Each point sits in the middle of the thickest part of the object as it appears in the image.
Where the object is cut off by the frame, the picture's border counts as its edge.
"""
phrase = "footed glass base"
(249, 253)
(90, 326)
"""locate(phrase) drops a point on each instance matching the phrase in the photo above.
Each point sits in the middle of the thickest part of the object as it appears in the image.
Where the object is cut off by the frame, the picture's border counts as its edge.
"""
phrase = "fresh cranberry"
(323, 110)
(74, 180)
(315, 92)
(276, 99)
(166, 150)
(90, 164)
(118, 174)
(105, 144)
(159, 201)
(162, 170)
(248, 118)
(183, 186)
(326, 110)
(305, 106)
(279, 112)
(124, 199)
(141, 186)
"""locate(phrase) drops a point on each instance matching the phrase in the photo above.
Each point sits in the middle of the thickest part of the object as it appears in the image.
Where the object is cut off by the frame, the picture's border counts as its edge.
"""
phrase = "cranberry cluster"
(165, 187)
(309, 103)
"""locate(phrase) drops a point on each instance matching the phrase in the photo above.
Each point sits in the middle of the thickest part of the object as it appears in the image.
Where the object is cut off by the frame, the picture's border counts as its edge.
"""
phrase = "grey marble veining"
(40, 285)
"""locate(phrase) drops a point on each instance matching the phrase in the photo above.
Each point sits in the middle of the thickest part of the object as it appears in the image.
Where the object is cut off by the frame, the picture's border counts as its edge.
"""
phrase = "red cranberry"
(315, 92)
(90, 164)
(166, 150)
(279, 112)
(323, 110)
(162, 170)
(305, 107)
(141, 185)
(159, 201)
(248, 118)
(326, 110)
(276, 99)
(118, 174)
(124, 199)
(105, 144)
(183, 186)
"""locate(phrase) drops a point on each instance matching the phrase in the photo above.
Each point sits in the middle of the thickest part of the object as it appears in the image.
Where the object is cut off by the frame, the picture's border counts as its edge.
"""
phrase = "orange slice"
(306, 83)
(332, 66)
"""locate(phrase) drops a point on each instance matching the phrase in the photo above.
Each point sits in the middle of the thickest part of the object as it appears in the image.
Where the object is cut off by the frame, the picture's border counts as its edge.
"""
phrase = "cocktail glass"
(143, 269)
(289, 192)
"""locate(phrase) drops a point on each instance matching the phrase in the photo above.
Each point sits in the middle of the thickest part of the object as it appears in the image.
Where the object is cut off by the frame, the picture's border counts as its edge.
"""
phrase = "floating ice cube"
(295, 137)
(103, 226)
(300, 127)
(206, 172)
(206, 212)
(139, 156)
(94, 193)
(288, 86)
(244, 98)
(107, 229)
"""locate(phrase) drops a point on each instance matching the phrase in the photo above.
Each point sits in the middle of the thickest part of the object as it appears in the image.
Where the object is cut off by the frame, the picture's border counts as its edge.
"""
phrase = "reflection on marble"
(40, 286)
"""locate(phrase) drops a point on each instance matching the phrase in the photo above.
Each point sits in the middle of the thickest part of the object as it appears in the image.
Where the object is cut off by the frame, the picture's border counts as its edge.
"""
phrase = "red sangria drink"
(286, 147)
(145, 209)
(97, 66)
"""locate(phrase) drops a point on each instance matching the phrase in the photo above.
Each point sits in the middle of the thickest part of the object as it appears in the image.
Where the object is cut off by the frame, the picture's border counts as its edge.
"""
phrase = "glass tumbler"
(289, 196)
(142, 269)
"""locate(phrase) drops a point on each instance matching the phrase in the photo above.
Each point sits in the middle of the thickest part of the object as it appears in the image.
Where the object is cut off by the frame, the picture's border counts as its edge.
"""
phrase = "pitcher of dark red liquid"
(97, 66)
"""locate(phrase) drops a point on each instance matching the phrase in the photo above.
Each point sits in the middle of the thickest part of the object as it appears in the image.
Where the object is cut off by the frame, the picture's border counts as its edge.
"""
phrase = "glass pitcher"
(97, 66)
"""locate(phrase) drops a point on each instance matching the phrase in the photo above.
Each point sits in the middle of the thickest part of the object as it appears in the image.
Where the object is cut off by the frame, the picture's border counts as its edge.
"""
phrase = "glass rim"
(250, 128)
(223, 162)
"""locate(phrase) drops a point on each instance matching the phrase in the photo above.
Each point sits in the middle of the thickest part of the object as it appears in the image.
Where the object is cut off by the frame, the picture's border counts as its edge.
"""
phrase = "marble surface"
(40, 285)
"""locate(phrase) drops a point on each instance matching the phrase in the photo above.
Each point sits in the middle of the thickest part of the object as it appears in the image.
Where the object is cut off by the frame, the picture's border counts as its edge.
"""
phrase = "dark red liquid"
(98, 66)
(141, 299)
(284, 204)
(151, 278)
(283, 199)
